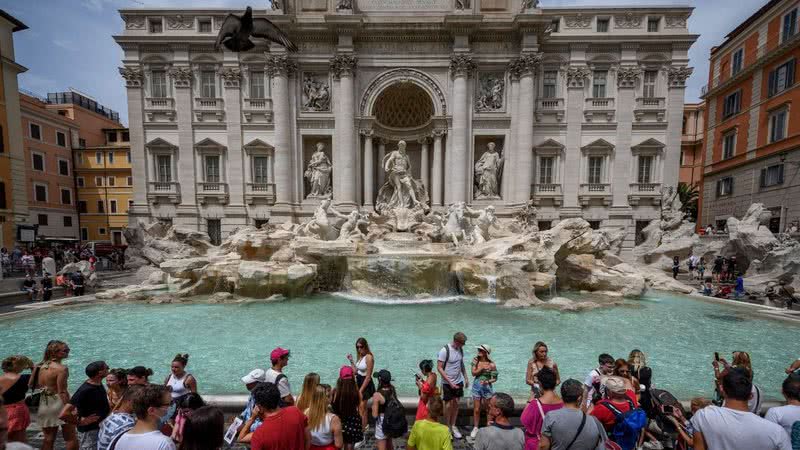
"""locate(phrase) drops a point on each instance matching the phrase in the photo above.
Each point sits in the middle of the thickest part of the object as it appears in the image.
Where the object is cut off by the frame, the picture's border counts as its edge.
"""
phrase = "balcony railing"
(260, 191)
(206, 186)
(600, 103)
(650, 103)
(208, 104)
(646, 188)
(590, 191)
(258, 104)
(550, 191)
(159, 103)
(550, 104)
(595, 187)
(160, 190)
(163, 186)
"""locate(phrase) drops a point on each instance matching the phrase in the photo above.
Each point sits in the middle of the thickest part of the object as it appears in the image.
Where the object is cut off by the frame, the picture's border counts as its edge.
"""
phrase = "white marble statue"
(526, 217)
(320, 226)
(350, 229)
(488, 170)
(344, 4)
(319, 173)
(529, 4)
(484, 220)
(455, 227)
(462, 4)
(316, 95)
(490, 96)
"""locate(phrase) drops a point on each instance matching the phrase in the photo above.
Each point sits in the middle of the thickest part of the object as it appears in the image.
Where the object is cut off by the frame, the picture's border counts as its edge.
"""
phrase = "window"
(63, 167)
(130, 205)
(82, 207)
(771, 176)
(602, 25)
(158, 84)
(38, 162)
(208, 84)
(729, 145)
(652, 25)
(724, 186)
(649, 83)
(3, 203)
(777, 124)
(214, 227)
(546, 165)
(732, 104)
(212, 169)
(111, 157)
(545, 225)
(126, 137)
(36, 132)
(112, 206)
(260, 170)
(112, 181)
(155, 26)
(682, 158)
(112, 136)
(81, 142)
(555, 25)
(781, 78)
(683, 127)
(130, 181)
(67, 221)
(98, 181)
(257, 89)
(550, 78)
(84, 234)
(260, 222)
(66, 197)
(599, 84)
(789, 25)
(40, 192)
(101, 206)
(42, 219)
(595, 175)
(101, 230)
(204, 25)
(128, 156)
(737, 61)
(594, 224)
(2, 143)
(98, 157)
(164, 168)
(61, 139)
(645, 169)
(81, 182)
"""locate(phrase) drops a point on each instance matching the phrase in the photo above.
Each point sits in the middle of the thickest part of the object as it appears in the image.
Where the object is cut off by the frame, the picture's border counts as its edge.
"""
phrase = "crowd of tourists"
(617, 406)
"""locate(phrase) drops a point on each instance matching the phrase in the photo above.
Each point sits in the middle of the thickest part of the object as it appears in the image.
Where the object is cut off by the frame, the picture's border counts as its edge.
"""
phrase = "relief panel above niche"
(314, 5)
(404, 5)
(494, 5)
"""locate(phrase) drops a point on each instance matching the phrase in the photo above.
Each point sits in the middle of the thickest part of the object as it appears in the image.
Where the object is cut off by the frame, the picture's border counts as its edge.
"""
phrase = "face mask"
(168, 416)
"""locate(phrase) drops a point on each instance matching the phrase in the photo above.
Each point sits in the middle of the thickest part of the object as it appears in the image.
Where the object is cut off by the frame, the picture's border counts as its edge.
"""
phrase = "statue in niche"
(490, 97)
(320, 227)
(401, 198)
(319, 173)
(462, 4)
(484, 220)
(316, 95)
(529, 4)
(488, 170)
(344, 4)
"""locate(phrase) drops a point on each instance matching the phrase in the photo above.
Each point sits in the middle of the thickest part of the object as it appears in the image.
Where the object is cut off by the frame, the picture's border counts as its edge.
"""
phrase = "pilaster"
(182, 81)
(345, 150)
(677, 77)
(627, 80)
(527, 65)
(438, 166)
(133, 83)
(280, 67)
(231, 81)
(461, 67)
(369, 165)
(576, 80)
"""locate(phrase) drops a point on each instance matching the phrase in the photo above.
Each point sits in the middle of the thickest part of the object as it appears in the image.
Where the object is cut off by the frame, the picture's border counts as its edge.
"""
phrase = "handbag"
(34, 396)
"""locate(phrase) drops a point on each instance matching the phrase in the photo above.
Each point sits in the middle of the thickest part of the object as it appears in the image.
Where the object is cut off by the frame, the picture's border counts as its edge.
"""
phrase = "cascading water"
(491, 285)
(554, 288)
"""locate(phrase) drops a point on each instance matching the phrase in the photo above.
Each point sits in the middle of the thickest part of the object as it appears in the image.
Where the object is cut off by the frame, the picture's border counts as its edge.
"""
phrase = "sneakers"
(456, 433)
(474, 433)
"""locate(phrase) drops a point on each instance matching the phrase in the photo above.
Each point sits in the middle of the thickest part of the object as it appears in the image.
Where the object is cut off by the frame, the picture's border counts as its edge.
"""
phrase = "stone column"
(381, 157)
(523, 160)
(436, 182)
(620, 179)
(133, 82)
(423, 163)
(280, 67)
(570, 185)
(369, 176)
(677, 76)
(187, 209)
(231, 81)
(461, 66)
(344, 153)
(510, 150)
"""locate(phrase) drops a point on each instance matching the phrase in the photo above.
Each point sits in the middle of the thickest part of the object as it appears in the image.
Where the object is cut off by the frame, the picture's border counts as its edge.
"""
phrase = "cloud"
(95, 5)
(65, 44)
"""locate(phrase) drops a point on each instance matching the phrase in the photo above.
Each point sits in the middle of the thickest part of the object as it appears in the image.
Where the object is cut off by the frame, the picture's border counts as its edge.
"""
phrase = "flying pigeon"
(236, 31)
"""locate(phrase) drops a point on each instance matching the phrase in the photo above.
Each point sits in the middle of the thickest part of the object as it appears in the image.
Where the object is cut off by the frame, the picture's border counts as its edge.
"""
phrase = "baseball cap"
(346, 373)
(383, 376)
(254, 376)
(615, 385)
(278, 353)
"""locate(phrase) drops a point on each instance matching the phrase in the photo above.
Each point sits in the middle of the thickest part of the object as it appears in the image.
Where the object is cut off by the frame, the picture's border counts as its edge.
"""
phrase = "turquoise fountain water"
(679, 335)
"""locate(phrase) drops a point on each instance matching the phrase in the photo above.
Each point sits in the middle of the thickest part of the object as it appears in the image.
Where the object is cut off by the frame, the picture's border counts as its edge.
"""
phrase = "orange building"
(13, 192)
(48, 142)
(691, 171)
(752, 139)
(92, 117)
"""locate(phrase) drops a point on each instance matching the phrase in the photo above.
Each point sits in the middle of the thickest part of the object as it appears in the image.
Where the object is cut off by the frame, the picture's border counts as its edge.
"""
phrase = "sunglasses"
(359, 346)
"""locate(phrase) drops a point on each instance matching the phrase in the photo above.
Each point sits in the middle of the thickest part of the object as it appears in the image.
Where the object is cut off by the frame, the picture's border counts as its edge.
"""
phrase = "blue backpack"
(796, 435)
(628, 425)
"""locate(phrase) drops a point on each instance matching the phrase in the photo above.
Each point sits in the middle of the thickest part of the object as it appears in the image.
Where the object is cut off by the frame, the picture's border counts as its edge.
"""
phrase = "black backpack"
(394, 423)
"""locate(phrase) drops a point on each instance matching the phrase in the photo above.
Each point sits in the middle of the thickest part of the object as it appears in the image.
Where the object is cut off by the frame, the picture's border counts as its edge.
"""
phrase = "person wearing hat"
(618, 397)
(379, 398)
(279, 357)
(250, 381)
(485, 372)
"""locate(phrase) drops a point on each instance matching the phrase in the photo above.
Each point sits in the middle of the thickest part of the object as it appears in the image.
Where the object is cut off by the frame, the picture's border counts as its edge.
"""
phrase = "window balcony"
(551, 106)
(264, 192)
(258, 107)
(639, 191)
(547, 191)
(206, 106)
(158, 191)
(602, 108)
(217, 192)
(654, 107)
(154, 106)
(600, 191)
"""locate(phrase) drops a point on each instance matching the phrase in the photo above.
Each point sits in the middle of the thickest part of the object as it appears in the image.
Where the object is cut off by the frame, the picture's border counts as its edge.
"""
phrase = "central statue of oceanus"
(401, 198)
(236, 31)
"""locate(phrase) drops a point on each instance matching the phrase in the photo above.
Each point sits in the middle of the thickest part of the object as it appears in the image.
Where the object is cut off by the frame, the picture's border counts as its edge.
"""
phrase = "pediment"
(550, 144)
(209, 143)
(160, 143)
(600, 144)
(258, 144)
(650, 144)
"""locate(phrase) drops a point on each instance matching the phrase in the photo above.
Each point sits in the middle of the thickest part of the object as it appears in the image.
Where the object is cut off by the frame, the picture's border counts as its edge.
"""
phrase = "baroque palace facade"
(583, 105)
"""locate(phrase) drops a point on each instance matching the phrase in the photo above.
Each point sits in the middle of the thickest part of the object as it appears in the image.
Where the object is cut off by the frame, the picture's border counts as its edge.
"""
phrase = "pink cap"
(278, 353)
(346, 373)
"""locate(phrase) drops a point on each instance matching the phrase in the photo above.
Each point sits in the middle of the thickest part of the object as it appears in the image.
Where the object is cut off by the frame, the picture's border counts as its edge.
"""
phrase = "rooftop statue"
(236, 31)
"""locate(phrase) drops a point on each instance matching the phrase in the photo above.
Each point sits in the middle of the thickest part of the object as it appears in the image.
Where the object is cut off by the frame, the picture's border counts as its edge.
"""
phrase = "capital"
(343, 64)
(528, 63)
(438, 133)
(231, 76)
(576, 76)
(280, 64)
(628, 76)
(367, 132)
(461, 64)
(181, 76)
(678, 75)
(133, 76)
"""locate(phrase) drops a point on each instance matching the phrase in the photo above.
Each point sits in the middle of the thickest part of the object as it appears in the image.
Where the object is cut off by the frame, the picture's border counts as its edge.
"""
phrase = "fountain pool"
(679, 335)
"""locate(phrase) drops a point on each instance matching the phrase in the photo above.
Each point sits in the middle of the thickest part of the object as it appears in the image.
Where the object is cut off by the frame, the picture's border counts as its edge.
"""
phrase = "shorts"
(19, 417)
(482, 391)
(379, 436)
(369, 390)
(449, 393)
(87, 440)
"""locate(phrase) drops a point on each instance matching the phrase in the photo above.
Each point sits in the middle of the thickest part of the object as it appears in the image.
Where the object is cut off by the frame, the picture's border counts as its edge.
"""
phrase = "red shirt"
(282, 431)
(606, 416)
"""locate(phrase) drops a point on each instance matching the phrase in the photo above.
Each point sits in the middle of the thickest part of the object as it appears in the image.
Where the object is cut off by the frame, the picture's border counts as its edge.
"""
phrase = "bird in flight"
(236, 31)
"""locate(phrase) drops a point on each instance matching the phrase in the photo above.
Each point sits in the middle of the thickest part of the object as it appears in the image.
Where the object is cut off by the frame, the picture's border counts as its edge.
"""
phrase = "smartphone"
(668, 409)
(716, 356)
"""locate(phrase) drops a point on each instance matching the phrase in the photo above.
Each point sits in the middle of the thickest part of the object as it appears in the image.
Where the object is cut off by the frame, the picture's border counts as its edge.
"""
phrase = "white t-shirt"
(453, 366)
(283, 385)
(784, 416)
(154, 440)
(728, 429)
(754, 404)
(594, 377)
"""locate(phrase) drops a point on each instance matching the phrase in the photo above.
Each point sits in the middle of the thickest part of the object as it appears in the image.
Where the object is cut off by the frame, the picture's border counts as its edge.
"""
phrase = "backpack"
(795, 436)
(627, 426)
(394, 423)
(447, 359)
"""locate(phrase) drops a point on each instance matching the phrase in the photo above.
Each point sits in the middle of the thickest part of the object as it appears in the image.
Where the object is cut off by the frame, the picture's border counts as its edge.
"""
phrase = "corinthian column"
(279, 67)
(461, 66)
(423, 164)
(182, 81)
(510, 150)
(344, 154)
(436, 183)
(523, 160)
(133, 82)
(231, 80)
(369, 177)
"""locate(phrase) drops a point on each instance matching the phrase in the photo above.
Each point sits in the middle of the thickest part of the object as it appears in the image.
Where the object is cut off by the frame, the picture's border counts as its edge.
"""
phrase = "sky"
(69, 42)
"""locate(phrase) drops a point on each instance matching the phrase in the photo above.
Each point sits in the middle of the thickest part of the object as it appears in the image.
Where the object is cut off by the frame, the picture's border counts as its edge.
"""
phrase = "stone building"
(752, 139)
(691, 171)
(584, 105)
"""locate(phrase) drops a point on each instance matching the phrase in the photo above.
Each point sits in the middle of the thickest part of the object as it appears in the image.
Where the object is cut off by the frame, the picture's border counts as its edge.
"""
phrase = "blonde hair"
(50, 351)
(636, 360)
(16, 363)
(699, 403)
(317, 408)
(537, 346)
(435, 407)
(310, 383)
